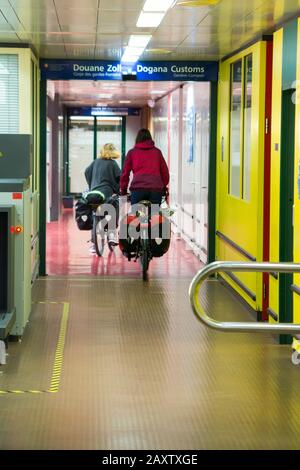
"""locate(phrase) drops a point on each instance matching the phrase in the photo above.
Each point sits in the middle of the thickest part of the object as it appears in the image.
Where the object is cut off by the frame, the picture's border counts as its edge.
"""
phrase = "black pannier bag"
(160, 235)
(83, 215)
(128, 245)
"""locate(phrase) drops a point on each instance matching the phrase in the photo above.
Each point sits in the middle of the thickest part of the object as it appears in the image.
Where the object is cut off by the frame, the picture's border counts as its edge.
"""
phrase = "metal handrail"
(251, 327)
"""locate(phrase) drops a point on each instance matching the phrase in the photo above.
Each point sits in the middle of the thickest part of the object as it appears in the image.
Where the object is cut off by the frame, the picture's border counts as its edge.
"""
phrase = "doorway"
(286, 208)
(86, 136)
(85, 131)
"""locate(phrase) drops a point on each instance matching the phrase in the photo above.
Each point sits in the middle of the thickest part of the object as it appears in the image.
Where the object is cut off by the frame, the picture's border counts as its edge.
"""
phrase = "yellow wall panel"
(239, 219)
(275, 165)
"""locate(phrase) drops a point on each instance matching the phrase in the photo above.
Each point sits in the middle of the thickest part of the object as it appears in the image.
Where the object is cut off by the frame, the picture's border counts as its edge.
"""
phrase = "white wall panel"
(133, 125)
(160, 123)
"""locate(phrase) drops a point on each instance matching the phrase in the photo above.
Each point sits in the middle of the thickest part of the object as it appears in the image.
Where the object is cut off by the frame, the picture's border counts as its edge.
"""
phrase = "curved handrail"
(251, 327)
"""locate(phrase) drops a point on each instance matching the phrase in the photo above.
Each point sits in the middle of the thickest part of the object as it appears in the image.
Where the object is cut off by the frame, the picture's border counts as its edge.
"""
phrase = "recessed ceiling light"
(129, 59)
(136, 40)
(149, 20)
(134, 50)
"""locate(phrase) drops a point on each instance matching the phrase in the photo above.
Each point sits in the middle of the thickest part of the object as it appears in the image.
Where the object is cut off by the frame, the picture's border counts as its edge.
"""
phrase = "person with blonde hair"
(103, 174)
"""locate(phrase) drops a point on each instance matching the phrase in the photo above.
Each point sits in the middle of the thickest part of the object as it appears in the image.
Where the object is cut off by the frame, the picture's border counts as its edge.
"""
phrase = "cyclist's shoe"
(92, 249)
(112, 239)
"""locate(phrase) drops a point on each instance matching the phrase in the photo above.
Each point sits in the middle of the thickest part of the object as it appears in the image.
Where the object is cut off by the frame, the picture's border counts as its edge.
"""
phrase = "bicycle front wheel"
(98, 236)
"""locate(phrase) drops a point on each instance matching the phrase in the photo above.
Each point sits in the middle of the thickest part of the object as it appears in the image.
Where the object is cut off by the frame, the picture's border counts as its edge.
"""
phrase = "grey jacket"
(103, 175)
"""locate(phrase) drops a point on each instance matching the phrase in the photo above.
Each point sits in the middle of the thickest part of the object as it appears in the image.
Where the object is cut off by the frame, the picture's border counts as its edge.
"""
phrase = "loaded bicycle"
(144, 234)
(93, 212)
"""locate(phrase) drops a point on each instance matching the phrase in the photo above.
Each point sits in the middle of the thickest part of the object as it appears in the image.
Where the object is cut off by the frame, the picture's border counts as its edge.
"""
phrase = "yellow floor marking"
(58, 361)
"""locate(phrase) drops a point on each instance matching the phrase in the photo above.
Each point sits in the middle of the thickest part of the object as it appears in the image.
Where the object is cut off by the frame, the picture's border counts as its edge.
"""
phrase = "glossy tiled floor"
(68, 254)
(138, 371)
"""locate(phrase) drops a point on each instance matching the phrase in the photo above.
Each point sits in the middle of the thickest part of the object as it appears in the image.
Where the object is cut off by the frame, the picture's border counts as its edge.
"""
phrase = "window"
(235, 128)
(247, 127)
(9, 94)
(240, 128)
(109, 129)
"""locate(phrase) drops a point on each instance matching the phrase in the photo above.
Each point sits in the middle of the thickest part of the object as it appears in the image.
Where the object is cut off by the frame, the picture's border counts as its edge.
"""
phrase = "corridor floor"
(111, 362)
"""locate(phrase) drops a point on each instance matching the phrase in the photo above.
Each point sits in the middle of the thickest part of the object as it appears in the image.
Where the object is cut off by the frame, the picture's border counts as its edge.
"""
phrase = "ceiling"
(99, 29)
(109, 93)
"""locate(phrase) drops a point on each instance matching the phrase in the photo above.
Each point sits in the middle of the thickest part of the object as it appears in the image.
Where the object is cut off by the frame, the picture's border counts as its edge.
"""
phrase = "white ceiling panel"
(32, 4)
(185, 16)
(54, 52)
(171, 36)
(84, 38)
(102, 27)
(166, 53)
(78, 17)
(26, 37)
(38, 20)
(111, 53)
(8, 20)
(112, 40)
(121, 5)
(6, 37)
(86, 52)
(120, 28)
(115, 18)
(49, 39)
(80, 4)
(200, 38)
(77, 29)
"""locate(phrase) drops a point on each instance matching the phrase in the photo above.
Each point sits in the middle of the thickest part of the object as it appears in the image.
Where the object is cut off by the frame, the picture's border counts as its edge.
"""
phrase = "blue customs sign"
(144, 71)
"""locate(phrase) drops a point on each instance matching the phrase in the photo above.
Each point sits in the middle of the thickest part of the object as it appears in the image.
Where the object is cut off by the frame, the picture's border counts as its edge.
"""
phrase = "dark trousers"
(155, 197)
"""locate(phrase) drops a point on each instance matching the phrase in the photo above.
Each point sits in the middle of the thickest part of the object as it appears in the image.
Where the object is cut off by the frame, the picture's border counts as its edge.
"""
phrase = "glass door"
(81, 150)
(109, 130)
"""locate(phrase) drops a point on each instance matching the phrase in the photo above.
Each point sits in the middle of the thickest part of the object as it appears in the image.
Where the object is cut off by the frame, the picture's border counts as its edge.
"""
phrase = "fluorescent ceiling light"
(149, 20)
(157, 5)
(156, 92)
(124, 101)
(134, 50)
(129, 59)
(139, 40)
(131, 54)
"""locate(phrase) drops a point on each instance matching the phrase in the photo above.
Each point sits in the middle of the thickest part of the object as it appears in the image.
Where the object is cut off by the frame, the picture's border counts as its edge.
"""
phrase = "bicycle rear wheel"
(98, 236)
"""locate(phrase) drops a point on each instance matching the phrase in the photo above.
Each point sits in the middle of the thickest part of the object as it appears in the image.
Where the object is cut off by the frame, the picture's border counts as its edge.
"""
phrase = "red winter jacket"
(149, 168)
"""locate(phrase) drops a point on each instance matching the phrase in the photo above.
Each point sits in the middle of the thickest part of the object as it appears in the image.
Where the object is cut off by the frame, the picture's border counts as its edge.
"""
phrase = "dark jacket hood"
(147, 144)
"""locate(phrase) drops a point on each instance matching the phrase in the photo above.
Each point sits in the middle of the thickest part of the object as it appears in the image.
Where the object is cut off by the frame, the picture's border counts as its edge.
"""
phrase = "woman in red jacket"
(150, 171)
